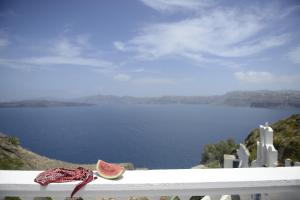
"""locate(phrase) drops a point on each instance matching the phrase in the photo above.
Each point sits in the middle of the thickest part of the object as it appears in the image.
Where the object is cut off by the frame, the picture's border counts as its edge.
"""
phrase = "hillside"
(14, 156)
(286, 139)
(262, 98)
(213, 154)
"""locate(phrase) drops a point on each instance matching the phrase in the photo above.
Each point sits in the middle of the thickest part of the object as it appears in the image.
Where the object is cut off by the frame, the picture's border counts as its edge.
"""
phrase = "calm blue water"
(153, 136)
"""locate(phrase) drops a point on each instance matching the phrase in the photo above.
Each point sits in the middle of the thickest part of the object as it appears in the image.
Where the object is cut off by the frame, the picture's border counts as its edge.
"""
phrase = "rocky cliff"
(286, 139)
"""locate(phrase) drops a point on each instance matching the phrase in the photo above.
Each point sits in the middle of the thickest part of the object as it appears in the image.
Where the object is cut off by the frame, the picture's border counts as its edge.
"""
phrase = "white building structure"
(228, 161)
(267, 155)
(243, 154)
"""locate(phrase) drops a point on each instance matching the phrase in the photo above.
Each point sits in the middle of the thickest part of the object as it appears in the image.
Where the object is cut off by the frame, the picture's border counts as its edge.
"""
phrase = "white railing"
(155, 183)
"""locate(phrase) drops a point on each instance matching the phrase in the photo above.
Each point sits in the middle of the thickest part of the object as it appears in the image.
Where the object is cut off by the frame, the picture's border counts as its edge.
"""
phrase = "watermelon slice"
(109, 170)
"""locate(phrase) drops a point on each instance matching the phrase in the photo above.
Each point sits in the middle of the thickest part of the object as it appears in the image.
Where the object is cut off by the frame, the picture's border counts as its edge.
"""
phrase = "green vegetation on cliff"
(9, 160)
(286, 139)
(213, 154)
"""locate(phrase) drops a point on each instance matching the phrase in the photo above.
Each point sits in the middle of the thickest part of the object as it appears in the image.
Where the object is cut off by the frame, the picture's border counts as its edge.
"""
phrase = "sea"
(147, 135)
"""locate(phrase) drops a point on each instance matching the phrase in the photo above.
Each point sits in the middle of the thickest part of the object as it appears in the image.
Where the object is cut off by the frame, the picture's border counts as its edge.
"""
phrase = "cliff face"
(13, 156)
(261, 98)
(286, 139)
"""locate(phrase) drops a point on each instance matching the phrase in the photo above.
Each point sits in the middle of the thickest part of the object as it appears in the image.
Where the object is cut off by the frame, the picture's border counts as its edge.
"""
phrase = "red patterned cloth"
(62, 175)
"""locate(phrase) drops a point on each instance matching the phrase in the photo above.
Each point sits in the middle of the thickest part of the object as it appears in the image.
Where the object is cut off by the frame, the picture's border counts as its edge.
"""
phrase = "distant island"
(40, 103)
(257, 99)
(260, 99)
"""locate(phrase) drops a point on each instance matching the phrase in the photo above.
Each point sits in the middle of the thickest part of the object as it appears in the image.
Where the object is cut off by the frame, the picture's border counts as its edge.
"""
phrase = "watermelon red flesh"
(109, 170)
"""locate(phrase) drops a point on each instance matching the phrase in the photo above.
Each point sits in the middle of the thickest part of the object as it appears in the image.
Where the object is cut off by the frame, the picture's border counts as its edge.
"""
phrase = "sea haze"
(152, 136)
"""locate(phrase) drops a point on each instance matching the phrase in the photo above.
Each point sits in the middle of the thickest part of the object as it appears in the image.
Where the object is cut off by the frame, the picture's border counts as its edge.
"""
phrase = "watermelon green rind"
(109, 170)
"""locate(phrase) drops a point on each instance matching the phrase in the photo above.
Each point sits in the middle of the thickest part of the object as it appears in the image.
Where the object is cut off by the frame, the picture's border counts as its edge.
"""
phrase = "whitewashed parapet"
(267, 155)
(243, 154)
(155, 183)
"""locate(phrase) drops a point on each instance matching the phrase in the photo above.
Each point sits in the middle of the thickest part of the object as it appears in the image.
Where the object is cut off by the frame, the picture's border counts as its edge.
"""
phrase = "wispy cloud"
(254, 76)
(167, 5)
(121, 77)
(290, 10)
(71, 46)
(154, 81)
(139, 70)
(221, 33)
(294, 55)
(258, 77)
(64, 51)
(57, 60)
(64, 47)
(83, 40)
(119, 45)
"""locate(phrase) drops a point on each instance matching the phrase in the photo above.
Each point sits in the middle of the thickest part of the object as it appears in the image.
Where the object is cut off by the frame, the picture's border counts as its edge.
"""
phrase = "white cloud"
(254, 76)
(65, 51)
(294, 55)
(256, 47)
(138, 70)
(121, 77)
(119, 45)
(222, 33)
(83, 40)
(66, 48)
(144, 80)
(170, 5)
(154, 81)
(58, 60)
(265, 77)
(290, 10)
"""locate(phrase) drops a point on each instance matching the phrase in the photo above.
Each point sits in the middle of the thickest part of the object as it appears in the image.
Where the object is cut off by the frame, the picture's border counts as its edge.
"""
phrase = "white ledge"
(162, 182)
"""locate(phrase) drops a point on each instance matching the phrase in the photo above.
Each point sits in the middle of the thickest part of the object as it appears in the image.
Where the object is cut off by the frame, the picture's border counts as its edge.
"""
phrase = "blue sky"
(147, 47)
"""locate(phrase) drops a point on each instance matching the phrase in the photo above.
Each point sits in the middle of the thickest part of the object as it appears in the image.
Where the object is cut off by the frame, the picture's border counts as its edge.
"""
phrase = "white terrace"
(155, 183)
(264, 182)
